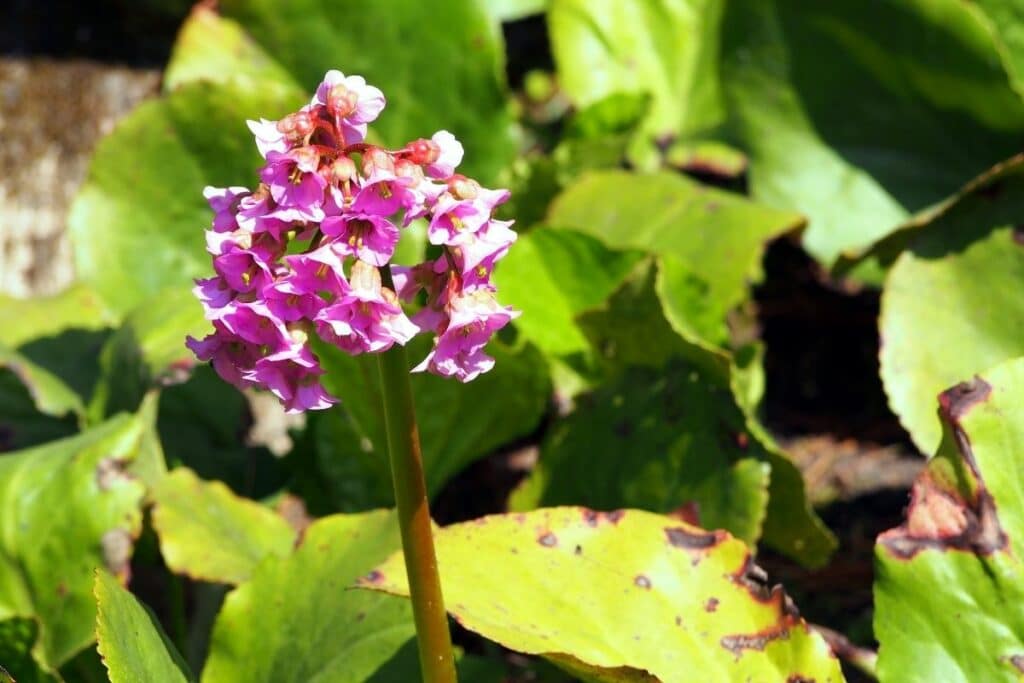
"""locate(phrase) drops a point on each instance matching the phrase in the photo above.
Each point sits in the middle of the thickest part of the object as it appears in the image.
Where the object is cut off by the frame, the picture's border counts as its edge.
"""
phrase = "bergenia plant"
(309, 252)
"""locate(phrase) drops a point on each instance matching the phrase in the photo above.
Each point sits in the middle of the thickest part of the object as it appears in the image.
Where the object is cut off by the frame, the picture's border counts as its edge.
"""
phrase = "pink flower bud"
(421, 152)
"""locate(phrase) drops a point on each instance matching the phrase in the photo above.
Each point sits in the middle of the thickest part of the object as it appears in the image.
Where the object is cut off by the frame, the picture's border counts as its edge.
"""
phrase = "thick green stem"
(435, 644)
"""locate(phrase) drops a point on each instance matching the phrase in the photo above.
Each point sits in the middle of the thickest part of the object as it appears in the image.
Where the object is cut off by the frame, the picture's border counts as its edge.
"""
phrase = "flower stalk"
(435, 645)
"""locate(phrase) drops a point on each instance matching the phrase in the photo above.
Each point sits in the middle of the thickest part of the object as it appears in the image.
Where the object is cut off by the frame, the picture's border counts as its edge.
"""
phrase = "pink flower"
(240, 260)
(368, 237)
(458, 351)
(368, 318)
(294, 182)
(301, 253)
(293, 375)
(449, 155)
(352, 102)
(230, 356)
(224, 202)
(384, 193)
(455, 220)
(310, 281)
(476, 257)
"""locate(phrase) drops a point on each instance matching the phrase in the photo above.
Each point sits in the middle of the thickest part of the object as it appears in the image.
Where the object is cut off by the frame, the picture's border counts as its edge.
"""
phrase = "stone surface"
(52, 113)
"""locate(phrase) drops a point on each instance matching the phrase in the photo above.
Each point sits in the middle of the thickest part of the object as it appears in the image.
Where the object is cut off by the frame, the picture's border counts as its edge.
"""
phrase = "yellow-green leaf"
(621, 596)
(210, 534)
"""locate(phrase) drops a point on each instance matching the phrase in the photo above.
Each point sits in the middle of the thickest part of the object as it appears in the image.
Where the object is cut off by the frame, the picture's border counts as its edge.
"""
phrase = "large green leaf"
(458, 423)
(35, 405)
(297, 620)
(667, 49)
(49, 393)
(949, 307)
(669, 432)
(137, 223)
(621, 596)
(950, 585)
(439, 64)
(661, 440)
(215, 48)
(1006, 20)
(133, 646)
(210, 534)
(711, 242)
(148, 350)
(848, 114)
(204, 425)
(17, 637)
(68, 507)
(552, 276)
(22, 320)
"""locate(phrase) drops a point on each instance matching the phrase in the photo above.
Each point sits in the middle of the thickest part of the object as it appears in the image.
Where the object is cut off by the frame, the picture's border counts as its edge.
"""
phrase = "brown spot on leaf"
(941, 516)
(1018, 662)
(797, 678)
(711, 605)
(742, 440)
(955, 403)
(739, 642)
(693, 539)
(688, 512)
(62, 589)
(117, 547)
(679, 620)
(578, 550)
(548, 539)
(642, 581)
(294, 511)
(108, 471)
(593, 518)
(374, 578)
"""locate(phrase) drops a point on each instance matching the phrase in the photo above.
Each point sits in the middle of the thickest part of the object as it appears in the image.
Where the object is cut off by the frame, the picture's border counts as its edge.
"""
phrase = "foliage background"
(724, 207)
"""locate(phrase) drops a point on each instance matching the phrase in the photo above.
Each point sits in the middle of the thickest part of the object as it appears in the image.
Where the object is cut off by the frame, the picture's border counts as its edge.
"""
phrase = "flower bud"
(343, 170)
(377, 158)
(406, 168)
(422, 152)
(462, 187)
(341, 101)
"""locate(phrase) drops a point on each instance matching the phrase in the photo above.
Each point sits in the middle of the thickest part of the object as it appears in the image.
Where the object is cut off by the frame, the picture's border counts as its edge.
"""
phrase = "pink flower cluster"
(308, 251)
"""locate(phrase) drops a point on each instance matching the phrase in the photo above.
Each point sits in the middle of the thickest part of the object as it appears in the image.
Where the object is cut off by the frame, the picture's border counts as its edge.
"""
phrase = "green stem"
(435, 644)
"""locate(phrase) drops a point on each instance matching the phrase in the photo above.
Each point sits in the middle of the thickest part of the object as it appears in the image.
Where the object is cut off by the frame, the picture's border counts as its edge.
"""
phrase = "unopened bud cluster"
(308, 252)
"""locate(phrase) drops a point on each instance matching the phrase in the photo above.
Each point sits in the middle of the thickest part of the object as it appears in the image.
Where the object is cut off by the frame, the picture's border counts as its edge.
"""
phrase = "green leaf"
(951, 570)
(1006, 19)
(672, 406)
(215, 48)
(513, 10)
(947, 309)
(666, 49)
(296, 620)
(49, 393)
(22, 320)
(204, 425)
(439, 64)
(17, 636)
(458, 423)
(210, 534)
(76, 508)
(711, 241)
(137, 223)
(662, 440)
(147, 351)
(131, 642)
(629, 595)
(552, 276)
(847, 115)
